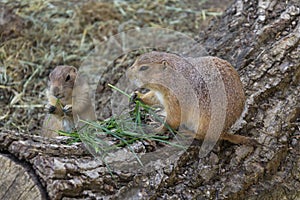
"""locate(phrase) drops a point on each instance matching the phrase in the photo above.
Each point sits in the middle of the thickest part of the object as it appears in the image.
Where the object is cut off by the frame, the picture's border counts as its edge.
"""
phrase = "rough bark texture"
(261, 39)
(17, 181)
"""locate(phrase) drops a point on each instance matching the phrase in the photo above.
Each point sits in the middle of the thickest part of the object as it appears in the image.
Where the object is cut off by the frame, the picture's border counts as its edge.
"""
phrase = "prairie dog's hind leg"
(239, 139)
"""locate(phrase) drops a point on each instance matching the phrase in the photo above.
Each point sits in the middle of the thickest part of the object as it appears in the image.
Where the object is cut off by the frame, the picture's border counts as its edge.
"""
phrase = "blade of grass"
(121, 91)
(116, 136)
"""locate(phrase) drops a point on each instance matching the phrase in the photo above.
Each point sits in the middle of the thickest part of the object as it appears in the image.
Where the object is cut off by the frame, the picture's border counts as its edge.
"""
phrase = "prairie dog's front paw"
(67, 109)
(50, 108)
(134, 97)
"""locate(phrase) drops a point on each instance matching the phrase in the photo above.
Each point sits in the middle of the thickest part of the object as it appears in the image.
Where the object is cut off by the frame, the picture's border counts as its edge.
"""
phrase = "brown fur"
(60, 95)
(150, 67)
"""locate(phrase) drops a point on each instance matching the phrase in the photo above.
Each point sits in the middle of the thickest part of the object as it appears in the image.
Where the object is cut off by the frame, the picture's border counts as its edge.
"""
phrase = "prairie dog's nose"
(55, 91)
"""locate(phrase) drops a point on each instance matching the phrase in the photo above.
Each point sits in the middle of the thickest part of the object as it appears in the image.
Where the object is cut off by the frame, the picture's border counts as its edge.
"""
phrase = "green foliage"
(122, 131)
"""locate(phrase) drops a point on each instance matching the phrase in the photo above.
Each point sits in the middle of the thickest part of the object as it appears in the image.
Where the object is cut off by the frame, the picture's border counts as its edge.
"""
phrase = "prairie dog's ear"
(165, 64)
(74, 70)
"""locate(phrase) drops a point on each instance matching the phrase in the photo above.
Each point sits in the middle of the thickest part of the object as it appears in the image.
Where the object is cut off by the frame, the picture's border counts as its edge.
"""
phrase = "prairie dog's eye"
(143, 68)
(68, 77)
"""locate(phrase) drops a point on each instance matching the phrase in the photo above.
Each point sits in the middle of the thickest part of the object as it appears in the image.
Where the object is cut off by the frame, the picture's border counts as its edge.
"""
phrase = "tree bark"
(261, 39)
(17, 181)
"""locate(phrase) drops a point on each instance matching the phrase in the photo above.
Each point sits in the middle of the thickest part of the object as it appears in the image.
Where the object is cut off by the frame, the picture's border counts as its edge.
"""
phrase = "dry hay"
(37, 35)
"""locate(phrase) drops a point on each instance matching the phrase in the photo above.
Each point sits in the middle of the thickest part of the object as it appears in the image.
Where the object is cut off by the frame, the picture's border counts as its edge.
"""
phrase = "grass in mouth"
(102, 137)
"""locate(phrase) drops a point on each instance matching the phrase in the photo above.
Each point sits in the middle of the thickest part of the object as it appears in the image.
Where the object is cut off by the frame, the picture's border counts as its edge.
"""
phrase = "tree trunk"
(261, 39)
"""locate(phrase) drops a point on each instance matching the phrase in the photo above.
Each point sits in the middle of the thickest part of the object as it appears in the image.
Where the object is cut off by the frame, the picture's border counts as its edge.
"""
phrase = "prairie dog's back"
(234, 92)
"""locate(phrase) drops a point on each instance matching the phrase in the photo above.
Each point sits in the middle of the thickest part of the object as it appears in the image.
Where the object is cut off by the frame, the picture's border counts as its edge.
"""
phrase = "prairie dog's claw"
(67, 108)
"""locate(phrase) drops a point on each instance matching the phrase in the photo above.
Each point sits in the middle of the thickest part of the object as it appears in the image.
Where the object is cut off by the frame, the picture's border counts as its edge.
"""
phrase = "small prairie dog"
(150, 66)
(59, 105)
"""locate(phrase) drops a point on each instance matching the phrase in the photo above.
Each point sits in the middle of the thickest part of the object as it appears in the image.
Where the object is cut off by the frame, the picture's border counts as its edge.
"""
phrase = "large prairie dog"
(151, 65)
